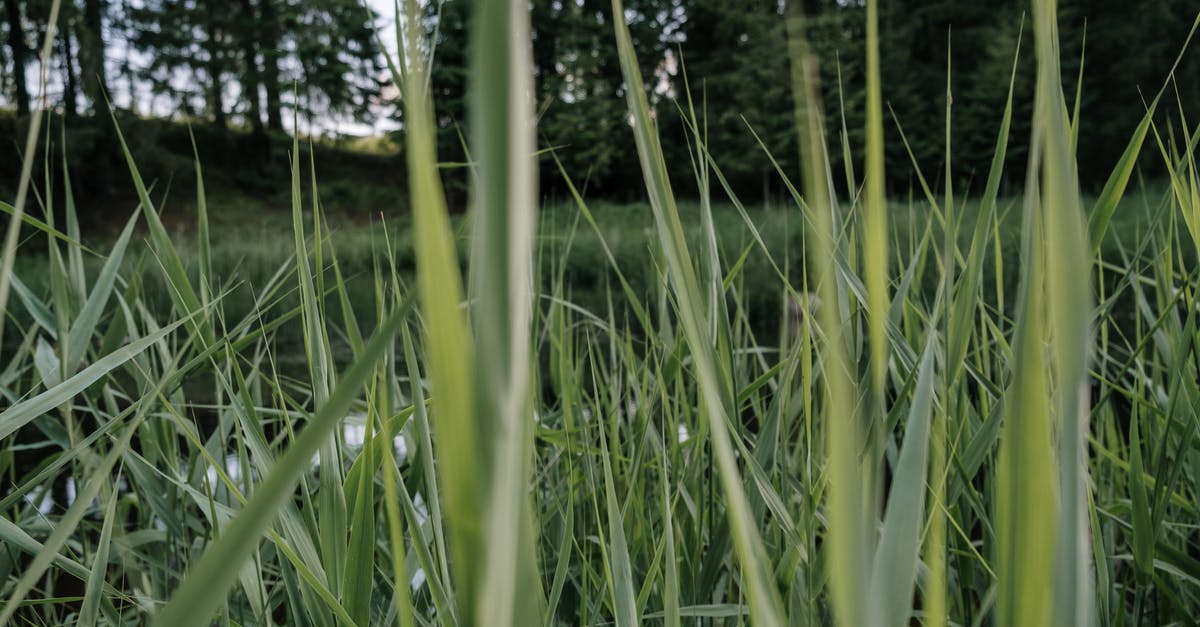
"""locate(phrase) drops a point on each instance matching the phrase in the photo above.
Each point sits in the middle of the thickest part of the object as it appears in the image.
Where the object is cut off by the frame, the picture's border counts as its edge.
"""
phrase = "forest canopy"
(251, 66)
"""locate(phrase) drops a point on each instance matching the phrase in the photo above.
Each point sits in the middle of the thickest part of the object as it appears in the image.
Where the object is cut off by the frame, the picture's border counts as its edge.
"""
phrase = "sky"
(387, 23)
(387, 34)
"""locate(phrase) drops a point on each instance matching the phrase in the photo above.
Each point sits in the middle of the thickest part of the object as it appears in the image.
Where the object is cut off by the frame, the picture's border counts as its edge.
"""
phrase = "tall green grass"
(489, 444)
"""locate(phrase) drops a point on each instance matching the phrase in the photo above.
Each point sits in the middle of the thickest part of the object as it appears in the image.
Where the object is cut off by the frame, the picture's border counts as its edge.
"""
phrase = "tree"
(260, 61)
(335, 58)
(70, 74)
(582, 107)
(324, 46)
(735, 58)
(251, 72)
(580, 89)
(92, 49)
(446, 25)
(185, 40)
(19, 52)
(270, 30)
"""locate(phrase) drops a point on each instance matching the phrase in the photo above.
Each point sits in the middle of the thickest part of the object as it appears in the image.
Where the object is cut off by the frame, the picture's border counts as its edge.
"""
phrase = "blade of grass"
(1114, 189)
(25, 411)
(47, 229)
(206, 583)
(85, 323)
(183, 295)
(766, 607)
(450, 351)
(504, 210)
(9, 255)
(848, 524)
(1069, 313)
(894, 571)
(89, 611)
(359, 574)
(619, 571)
(875, 229)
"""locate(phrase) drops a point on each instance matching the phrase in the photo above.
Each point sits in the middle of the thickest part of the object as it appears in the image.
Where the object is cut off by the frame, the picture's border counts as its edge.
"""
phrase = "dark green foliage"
(580, 97)
(733, 57)
(245, 170)
(316, 59)
(19, 55)
(258, 63)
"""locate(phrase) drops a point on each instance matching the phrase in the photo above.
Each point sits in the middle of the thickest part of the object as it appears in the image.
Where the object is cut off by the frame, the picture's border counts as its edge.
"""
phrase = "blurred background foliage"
(245, 73)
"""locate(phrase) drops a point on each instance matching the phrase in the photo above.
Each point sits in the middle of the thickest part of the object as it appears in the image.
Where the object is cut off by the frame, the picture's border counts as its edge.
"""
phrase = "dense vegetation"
(254, 65)
(976, 409)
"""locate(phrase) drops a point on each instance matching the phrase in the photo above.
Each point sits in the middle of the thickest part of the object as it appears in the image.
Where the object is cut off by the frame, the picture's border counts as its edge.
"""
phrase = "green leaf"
(85, 323)
(205, 585)
(89, 611)
(504, 211)
(1143, 529)
(717, 393)
(894, 572)
(619, 569)
(47, 364)
(22, 413)
(360, 555)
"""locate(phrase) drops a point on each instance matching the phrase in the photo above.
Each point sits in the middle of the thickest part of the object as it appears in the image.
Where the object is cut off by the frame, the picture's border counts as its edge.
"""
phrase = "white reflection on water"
(40, 498)
(354, 432)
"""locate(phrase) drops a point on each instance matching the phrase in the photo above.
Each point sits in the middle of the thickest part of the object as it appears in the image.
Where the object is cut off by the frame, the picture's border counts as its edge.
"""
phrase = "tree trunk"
(270, 22)
(252, 80)
(91, 44)
(71, 85)
(20, 55)
(216, 89)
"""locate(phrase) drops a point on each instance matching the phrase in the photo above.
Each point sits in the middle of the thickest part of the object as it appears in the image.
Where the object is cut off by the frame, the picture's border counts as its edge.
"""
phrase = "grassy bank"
(247, 247)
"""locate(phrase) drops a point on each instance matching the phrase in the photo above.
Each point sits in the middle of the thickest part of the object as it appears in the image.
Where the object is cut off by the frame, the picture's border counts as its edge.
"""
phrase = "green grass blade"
(449, 348)
(1143, 530)
(1069, 309)
(9, 253)
(90, 610)
(894, 572)
(183, 295)
(206, 583)
(85, 323)
(100, 477)
(25, 411)
(203, 237)
(766, 607)
(875, 229)
(17, 538)
(504, 210)
(1114, 189)
(360, 552)
(47, 229)
(671, 615)
(849, 524)
(619, 570)
(965, 301)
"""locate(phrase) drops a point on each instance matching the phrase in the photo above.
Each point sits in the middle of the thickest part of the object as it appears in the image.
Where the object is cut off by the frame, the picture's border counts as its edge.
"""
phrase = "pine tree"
(315, 58)
(20, 54)
(735, 57)
(446, 23)
(335, 57)
(185, 37)
(89, 32)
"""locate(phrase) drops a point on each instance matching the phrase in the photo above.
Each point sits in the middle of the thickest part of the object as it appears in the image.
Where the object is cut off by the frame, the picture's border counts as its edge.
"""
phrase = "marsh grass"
(990, 417)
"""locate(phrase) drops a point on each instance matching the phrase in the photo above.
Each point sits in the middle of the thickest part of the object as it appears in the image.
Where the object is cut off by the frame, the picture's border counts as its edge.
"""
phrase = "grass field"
(974, 410)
